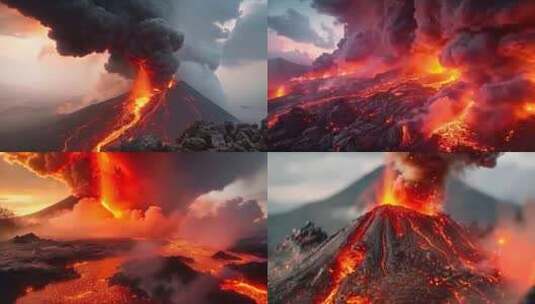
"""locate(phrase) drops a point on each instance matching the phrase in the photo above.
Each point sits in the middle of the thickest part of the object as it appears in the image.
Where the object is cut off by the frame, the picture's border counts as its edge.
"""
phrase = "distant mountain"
(281, 70)
(51, 211)
(465, 204)
(81, 130)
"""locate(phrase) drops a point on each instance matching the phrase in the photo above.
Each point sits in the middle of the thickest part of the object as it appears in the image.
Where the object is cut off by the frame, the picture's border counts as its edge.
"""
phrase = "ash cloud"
(130, 31)
(168, 180)
(296, 26)
(424, 175)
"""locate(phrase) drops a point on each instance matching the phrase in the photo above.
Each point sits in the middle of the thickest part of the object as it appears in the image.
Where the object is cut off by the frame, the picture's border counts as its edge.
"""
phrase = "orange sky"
(23, 192)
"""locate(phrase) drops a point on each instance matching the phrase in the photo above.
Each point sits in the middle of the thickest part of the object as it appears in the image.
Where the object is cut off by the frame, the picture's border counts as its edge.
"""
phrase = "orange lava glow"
(91, 287)
(118, 186)
(257, 293)
(143, 95)
(357, 300)
(391, 193)
(278, 92)
(347, 261)
(428, 70)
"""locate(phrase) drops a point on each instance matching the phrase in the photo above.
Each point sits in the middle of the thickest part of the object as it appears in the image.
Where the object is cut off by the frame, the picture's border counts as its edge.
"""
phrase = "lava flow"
(143, 98)
(257, 293)
(400, 65)
(404, 246)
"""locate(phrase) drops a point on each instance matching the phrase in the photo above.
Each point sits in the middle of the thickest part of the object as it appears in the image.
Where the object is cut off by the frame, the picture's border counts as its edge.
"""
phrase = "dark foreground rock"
(204, 136)
(530, 297)
(169, 280)
(28, 261)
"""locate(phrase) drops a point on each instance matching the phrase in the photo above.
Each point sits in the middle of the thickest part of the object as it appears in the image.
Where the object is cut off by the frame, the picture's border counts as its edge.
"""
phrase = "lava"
(117, 185)
(257, 293)
(143, 97)
(394, 192)
(92, 286)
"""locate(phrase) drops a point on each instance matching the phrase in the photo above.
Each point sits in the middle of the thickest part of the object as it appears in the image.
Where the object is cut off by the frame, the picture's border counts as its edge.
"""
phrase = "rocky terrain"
(204, 136)
(31, 262)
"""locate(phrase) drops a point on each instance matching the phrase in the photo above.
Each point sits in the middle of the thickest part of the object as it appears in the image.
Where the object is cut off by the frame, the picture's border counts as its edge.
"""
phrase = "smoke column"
(131, 31)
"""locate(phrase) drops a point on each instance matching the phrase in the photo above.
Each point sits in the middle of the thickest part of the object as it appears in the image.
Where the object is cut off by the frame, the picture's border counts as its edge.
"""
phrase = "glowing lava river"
(93, 284)
(91, 287)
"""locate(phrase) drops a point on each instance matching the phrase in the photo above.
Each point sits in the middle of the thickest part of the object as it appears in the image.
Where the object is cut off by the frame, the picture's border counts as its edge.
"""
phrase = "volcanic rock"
(27, 238)
(221, 255)
(392, 255)
(31, 262)
(167, 280)
(530, 297)
(203, 136)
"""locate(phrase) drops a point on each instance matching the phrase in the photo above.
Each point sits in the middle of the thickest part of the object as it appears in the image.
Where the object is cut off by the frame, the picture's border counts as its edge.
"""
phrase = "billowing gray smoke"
(132, 31)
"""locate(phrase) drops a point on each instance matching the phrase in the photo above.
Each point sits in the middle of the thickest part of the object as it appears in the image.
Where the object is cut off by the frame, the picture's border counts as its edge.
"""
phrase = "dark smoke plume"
(132, 31)
(425, 174)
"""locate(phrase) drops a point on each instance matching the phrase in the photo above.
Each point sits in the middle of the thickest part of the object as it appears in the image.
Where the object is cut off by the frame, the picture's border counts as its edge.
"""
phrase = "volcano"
(82, 130)
(392, 255)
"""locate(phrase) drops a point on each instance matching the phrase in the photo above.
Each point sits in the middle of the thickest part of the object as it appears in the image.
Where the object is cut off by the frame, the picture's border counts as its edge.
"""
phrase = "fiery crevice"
(252, 291)
(144, 97)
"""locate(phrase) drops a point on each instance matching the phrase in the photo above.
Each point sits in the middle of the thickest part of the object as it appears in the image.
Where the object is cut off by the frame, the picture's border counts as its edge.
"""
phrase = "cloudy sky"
(299, 178)
(297, 32)
(224, 57)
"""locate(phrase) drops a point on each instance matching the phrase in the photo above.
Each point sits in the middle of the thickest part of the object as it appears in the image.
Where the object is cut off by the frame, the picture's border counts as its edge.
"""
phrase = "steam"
(241, 219)
(89, 219)
(512, 243)
(132, 32)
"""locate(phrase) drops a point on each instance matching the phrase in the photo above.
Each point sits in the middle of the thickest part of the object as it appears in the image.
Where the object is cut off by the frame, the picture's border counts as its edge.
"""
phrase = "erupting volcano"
(414, 76)
(143, 98)
(404, 250)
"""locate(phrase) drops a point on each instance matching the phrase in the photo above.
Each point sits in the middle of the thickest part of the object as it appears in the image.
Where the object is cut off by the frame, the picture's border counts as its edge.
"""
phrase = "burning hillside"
(155, 203)
(414, 76)
(404, 250)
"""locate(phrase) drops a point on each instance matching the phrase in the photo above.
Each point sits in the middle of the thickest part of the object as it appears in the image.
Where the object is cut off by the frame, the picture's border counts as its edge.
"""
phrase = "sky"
(296, 179)
(298, 33)
(229, 33)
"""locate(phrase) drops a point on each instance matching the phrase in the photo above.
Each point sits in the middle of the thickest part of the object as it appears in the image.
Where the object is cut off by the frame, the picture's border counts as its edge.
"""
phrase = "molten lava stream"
(346, 262)
(142, 96)
(91, 287)
(252, 291)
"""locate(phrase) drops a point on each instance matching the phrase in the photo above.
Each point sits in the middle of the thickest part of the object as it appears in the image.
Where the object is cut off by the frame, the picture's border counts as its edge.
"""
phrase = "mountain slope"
(464, 203)
(81, 130)
(281, 70)
(392, 255)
